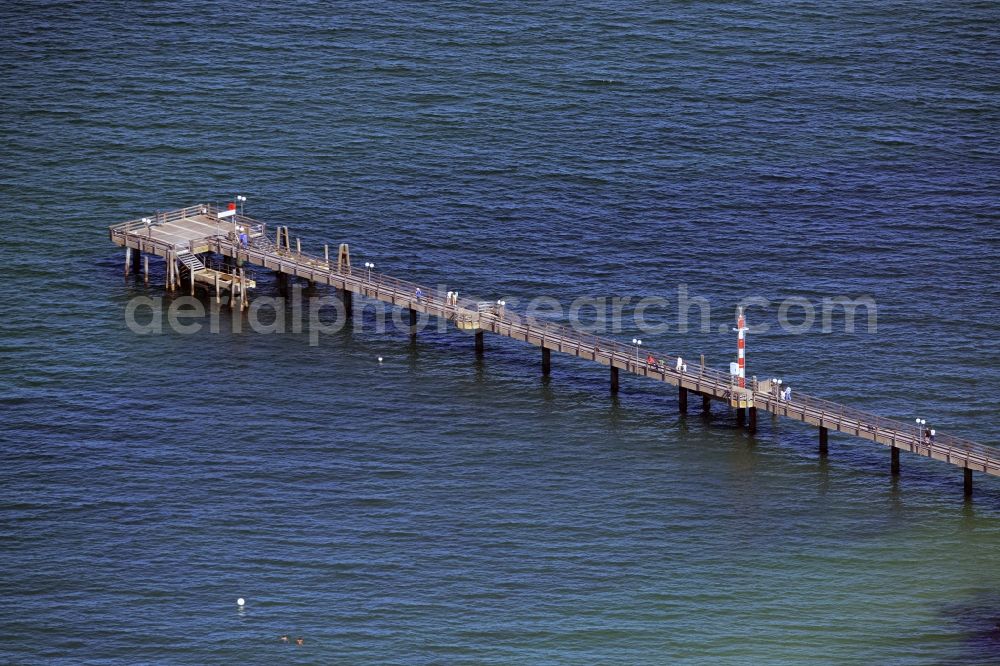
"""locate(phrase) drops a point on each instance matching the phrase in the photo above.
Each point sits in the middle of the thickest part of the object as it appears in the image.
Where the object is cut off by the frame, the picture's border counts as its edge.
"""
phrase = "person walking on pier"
(419, 294)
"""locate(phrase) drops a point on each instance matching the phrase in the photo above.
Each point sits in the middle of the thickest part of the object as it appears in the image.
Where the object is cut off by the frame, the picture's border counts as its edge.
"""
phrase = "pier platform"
(185, 234)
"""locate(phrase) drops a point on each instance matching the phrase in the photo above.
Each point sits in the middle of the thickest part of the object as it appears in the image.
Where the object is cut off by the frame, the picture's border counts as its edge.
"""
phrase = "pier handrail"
(910, 433)
(945, 445)
(162, 217)
(607, 350)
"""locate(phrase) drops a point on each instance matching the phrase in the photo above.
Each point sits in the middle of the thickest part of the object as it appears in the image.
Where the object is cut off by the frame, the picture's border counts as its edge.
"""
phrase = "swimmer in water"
(284, 639)
(298, 641)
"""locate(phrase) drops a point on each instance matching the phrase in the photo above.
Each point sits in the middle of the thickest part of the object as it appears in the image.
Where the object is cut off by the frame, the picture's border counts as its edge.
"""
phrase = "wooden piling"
(546, 361)
(894, 465)
(413, 323)
(752, 423)
(145, 269)
(682, 400)
(480, 349)
(326, 254)
(191, 280)
(217, 289)
(741, 415)
(614, 380)
(706, 401)
(348, 297)
(128, 260)
(967, 481)
(298, 246)
(824, 441)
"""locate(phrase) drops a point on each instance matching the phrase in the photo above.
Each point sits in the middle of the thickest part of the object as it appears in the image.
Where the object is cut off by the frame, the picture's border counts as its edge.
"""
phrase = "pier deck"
(198, 229)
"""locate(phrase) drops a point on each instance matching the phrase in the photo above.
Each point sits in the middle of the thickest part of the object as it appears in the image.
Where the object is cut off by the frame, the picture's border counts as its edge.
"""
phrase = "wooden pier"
(183, 236)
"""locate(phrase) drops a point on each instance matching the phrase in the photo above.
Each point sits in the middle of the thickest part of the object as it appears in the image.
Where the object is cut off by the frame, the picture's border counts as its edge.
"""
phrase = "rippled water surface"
(438, 508)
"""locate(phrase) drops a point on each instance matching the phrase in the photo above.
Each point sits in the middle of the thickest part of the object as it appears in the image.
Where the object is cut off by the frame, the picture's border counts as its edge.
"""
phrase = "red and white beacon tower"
(741, 342)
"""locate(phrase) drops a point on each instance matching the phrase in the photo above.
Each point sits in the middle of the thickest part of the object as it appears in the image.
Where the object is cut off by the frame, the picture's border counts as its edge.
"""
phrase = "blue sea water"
(436, 508)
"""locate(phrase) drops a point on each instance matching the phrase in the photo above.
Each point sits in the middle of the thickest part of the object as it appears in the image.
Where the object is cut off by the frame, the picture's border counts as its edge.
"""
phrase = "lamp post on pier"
(638, 343)
(369, 265)
(920, 429)
(241, 199)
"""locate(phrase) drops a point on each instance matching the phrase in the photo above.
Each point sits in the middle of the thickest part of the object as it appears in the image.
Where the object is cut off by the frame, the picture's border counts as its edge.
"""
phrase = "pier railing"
(803, 406)
(507, 321)
(163, 217)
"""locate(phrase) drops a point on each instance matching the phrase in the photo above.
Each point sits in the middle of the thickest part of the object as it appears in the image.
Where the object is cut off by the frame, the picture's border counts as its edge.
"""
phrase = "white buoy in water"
(379, 359)
(240, 602)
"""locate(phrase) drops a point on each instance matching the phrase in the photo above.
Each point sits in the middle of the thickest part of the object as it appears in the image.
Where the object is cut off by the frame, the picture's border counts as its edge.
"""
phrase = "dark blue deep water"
(439, 509)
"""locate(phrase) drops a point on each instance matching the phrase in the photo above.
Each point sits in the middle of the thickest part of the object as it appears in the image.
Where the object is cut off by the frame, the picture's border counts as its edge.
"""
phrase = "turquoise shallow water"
(442, 509)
